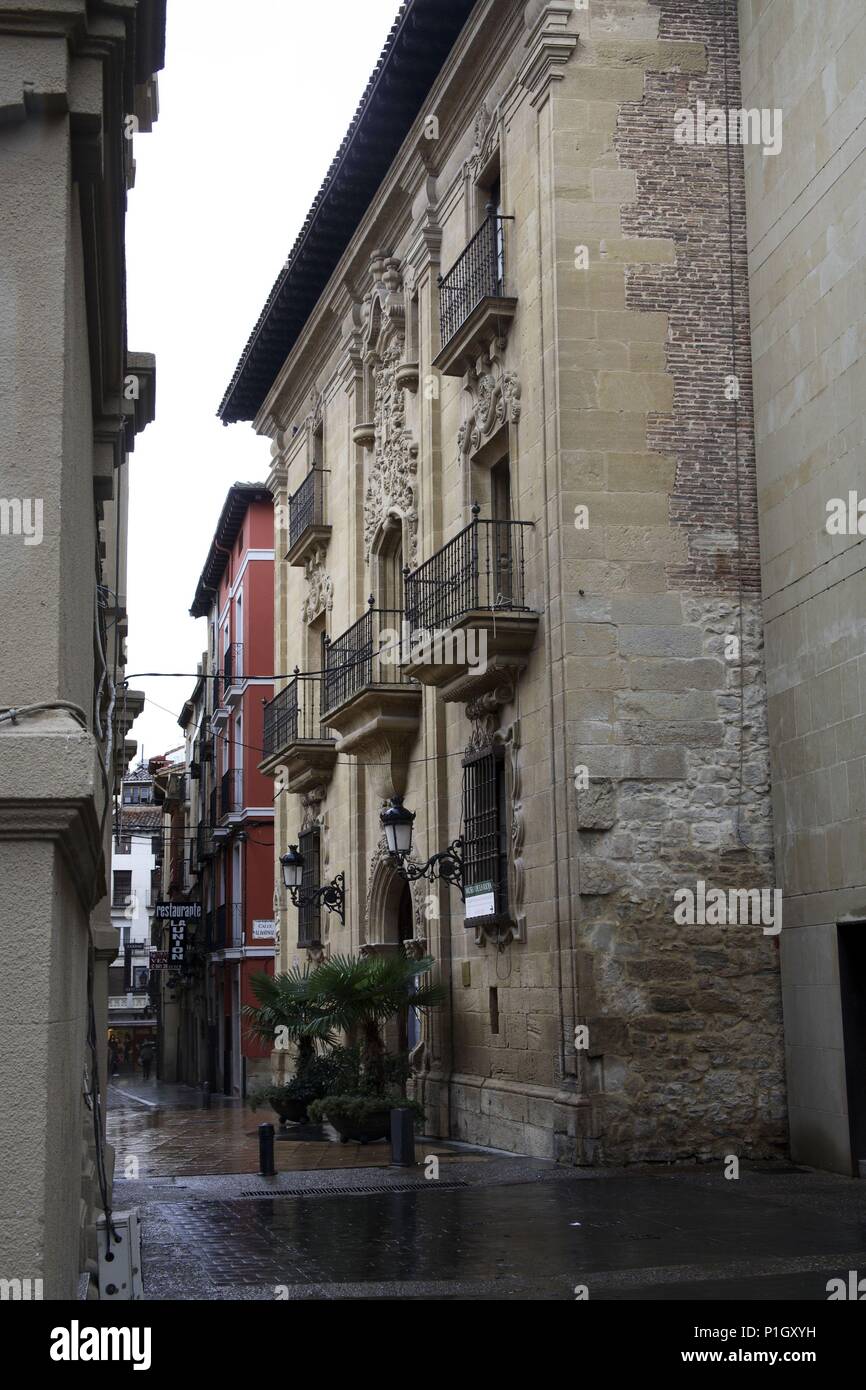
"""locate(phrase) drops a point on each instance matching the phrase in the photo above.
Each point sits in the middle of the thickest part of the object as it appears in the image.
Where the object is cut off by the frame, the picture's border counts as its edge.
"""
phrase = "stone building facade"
(494, 372)
(806, 268)
(76, 80)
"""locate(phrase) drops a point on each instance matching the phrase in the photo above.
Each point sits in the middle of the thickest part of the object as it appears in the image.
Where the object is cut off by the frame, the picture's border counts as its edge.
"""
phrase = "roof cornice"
(423, 35)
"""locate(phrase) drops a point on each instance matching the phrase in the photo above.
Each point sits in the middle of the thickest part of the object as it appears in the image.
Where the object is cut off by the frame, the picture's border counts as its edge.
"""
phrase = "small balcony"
(233, 670)
(231, 793)
(307, 530)
(473, 305)
(467, 619)
(296, 738)
(228, 927)
(204, 842)
(366, 697)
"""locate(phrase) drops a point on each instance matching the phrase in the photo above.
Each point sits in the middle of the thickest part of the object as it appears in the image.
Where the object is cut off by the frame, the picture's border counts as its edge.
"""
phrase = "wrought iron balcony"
(231, 792)
(204, 842)
(466, 611)
(233, 667)
(228, 926)
(367, 654)
(366, 695)
(307, 529)
(295, 736)
(473, 305)
(235, 924)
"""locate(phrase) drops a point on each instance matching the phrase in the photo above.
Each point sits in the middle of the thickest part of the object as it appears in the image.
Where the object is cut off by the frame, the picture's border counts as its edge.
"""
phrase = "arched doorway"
(390, 924)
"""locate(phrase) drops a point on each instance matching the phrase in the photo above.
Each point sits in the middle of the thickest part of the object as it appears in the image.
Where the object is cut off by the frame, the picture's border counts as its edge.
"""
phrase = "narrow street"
(338, 1222)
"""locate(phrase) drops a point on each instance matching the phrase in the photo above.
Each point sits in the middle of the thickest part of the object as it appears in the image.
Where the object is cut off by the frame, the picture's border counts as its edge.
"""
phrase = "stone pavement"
(161, 1130)
(489, 1227)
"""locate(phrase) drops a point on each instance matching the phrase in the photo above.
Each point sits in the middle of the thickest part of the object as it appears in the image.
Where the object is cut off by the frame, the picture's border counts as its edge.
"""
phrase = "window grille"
(485, 826)
(309, 917)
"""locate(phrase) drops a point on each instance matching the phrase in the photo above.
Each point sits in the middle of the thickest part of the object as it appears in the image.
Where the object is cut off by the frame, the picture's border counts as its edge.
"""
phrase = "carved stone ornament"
(494, 400)
(320, 595)
(485, 132)
(517, 869)
(484, 713)
(392, 479)
(314, 420)
(311, 804)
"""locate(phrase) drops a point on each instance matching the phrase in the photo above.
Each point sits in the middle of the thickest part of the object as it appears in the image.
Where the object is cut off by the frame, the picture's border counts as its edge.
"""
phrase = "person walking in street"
(145, 1056)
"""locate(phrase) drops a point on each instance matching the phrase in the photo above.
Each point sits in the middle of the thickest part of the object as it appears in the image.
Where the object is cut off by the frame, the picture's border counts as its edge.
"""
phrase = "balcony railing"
(367, 654)
(478, 274)
(295, 714)
(307, 506)
(236, 924)
(228, 926)
(482, 569)
(231, 792)
(204, 841)
(233, 667)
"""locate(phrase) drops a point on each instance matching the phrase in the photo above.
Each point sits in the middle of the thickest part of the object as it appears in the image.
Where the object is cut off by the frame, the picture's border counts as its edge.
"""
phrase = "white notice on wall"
(263, 929)
(480, 901)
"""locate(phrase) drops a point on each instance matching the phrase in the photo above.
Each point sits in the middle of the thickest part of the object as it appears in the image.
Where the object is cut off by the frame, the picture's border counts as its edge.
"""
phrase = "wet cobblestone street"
(337, 1222)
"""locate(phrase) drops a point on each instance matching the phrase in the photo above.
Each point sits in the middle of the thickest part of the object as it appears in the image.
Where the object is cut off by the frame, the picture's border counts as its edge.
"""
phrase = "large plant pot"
(291, 1112)
(376, 1126)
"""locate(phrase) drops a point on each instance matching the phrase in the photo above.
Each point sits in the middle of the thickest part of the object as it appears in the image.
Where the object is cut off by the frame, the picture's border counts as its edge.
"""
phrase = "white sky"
(255, 99)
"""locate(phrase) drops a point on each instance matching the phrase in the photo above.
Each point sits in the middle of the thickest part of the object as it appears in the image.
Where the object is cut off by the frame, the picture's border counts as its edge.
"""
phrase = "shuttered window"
(121, 890)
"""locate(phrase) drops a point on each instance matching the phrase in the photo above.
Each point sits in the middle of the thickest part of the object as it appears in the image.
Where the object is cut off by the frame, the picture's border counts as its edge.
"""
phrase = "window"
(137, 794)
(485, 831)
(309, 918)
(121, 890)
(156, 846)
(123, 844)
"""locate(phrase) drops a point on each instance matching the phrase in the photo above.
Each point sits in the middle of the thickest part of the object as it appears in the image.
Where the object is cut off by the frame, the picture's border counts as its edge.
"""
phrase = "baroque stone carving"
(484, 131)
(320, 596)
(494, 400)
(391, 483)
(391, 486)
(518, 822)
(315, 419)
(311, 803)
(484, 714)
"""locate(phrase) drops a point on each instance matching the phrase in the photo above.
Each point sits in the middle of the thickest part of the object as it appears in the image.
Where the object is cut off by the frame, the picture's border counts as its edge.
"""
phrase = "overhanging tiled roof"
(235, 508)
(421, 38)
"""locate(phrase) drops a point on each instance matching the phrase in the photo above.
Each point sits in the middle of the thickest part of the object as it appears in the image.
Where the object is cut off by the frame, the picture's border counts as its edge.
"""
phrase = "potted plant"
(358, 995)
(286, 1013)
(363, 1118)
(290, 1107)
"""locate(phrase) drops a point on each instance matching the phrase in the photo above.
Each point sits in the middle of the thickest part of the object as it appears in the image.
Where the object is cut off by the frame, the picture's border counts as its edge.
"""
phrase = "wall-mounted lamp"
(398, 825)
(331, 895)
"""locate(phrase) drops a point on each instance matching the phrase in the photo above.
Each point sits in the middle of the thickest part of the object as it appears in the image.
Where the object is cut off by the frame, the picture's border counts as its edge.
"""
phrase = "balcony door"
(500, 541)
(389, 567)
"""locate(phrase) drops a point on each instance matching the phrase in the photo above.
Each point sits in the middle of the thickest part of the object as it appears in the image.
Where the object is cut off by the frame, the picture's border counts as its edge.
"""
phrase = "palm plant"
(287, 1006)
(359, 994)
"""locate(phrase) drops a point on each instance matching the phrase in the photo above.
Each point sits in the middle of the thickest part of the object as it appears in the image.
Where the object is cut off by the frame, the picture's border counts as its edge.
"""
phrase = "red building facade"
(235, 595)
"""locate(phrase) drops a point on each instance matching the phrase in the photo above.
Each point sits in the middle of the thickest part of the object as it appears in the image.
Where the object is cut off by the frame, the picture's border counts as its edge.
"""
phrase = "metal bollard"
(205, 1096)
(266, 1151)
(402, 1138)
